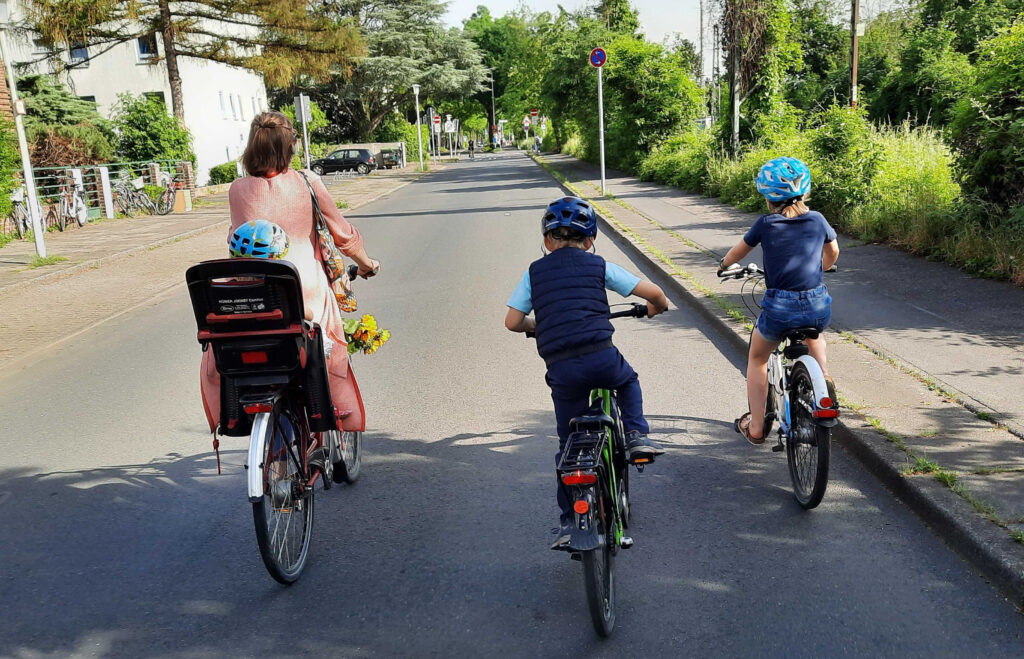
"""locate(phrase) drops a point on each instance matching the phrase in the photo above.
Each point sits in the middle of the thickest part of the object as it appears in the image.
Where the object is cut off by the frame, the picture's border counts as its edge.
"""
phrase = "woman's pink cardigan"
(284, 199)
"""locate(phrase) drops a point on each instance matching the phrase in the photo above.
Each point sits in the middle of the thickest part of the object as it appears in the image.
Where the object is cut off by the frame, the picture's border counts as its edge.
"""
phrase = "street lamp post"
(494, 118)
(19, 124)
(419, 132)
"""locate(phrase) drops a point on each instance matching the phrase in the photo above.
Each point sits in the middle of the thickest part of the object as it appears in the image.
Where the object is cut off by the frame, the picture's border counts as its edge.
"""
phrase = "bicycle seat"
(800, 333)
(595, 416)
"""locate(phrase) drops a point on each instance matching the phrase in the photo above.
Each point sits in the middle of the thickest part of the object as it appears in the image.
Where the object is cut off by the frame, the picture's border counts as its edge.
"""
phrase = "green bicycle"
(594, 471)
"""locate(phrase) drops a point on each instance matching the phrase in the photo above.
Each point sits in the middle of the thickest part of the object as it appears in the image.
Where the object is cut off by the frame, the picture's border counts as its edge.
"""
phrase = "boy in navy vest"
(566, 292)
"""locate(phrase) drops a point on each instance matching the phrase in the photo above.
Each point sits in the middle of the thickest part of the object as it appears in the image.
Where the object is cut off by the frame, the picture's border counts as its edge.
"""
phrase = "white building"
(219, 100)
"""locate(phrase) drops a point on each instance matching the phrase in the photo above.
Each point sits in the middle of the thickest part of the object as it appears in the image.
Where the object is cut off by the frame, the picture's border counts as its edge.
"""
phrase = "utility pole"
(854, 45)
(700, 78)
(734, 100)
(715, 98)
(419, 131)
(32, 199)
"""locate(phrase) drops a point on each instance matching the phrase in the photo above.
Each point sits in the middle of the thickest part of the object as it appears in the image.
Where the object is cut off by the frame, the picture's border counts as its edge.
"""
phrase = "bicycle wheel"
(21, 223)
(346, 470)
(165, 203)
(283, 516)
(145, 203)
(808, 447)
(599, 570)
(124, 204)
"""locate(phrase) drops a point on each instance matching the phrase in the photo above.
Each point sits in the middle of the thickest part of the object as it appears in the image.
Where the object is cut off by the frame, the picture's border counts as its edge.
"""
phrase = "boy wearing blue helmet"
(798, 244)
(566, 290)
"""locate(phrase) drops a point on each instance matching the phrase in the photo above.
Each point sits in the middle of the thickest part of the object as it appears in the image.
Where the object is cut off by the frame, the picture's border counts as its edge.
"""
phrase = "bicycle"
(165, 202)
(798, 399)
(274, 389)
(19, 212)
(70, 205)
(130, 197)
(594, 471)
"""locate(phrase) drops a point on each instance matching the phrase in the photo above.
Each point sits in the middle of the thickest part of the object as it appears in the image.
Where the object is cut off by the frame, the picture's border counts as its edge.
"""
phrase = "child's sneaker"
(639, 445)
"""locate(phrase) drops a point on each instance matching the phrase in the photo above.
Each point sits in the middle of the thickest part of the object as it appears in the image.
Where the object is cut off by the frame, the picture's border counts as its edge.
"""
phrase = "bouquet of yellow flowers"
(363, 334)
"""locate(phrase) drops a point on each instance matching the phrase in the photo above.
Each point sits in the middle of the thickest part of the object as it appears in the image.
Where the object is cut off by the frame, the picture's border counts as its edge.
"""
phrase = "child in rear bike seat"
(798, 245)
(566, 290)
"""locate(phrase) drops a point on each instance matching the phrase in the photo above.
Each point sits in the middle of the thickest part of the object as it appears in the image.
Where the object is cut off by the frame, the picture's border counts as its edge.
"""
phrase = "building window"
(255, 107)
(79, 55)
(147, 47)
(241, 108)
(91, 99)
(234, 108)
(223, 105)
(41, 47)
(156, 96)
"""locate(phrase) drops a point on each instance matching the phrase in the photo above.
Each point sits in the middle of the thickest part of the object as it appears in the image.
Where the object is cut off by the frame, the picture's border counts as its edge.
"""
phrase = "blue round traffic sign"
(598, 57)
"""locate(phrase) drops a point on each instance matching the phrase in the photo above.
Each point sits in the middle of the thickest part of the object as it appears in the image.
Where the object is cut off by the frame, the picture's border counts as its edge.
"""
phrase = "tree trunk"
(171, 57)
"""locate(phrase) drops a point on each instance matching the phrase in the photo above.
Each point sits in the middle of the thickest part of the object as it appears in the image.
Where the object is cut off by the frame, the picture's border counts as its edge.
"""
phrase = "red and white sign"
(534, 113)
(437, 119)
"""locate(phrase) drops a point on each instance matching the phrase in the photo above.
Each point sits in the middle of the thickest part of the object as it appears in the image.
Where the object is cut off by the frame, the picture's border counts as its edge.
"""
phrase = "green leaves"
(146, 132)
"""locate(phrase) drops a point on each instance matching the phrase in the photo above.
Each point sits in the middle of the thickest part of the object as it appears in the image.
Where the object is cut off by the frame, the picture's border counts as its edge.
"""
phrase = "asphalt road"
(120, 540)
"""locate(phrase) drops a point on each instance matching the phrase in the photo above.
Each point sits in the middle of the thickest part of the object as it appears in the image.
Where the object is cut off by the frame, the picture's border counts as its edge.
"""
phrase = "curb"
(985, 546)
(95, 263)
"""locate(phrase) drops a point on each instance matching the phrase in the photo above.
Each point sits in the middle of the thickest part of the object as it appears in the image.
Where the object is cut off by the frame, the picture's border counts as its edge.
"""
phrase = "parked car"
(341, 160)
(388, 158)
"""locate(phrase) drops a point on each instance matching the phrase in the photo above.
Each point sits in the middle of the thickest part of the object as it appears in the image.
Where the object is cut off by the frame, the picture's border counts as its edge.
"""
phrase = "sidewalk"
(929, 362)
(105, 241)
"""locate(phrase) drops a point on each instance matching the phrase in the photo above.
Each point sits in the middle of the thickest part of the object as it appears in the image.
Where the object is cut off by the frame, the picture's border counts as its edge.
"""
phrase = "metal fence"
(97, 183)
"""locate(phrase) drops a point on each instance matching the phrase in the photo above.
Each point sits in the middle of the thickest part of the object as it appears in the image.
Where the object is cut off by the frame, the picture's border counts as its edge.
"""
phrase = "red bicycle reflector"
(581, 507)
(258, 408)
(640, 461)
(826, 414)
(258, 357)
(579, 478)
(825, 402)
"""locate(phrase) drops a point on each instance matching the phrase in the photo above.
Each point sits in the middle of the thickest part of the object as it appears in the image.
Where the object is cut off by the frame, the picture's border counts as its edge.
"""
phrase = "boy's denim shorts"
(786, 310)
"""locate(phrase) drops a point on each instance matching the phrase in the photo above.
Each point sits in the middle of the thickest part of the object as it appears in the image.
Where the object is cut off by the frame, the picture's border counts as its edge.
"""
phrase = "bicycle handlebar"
(736, 271)
(635, 311)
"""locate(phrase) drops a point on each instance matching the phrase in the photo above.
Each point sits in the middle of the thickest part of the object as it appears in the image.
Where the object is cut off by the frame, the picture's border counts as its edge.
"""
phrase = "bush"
(80, 144)
(846, 158)
(145, 132)
(223, 173)
(394, 128)
(680, 161)
(10, 162)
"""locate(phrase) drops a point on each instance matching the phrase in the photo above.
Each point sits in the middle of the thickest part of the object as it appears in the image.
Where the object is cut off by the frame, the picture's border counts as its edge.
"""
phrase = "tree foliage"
(146, 132)
(61, 128)
(280, 39)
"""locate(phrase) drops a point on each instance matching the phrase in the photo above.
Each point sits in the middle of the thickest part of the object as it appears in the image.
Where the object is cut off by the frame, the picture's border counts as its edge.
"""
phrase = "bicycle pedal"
(626, 542)
(576, 556)
(778, 448)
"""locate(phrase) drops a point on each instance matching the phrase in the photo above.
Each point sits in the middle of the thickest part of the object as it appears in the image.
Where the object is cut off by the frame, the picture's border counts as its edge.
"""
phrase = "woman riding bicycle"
(798, 245)
(274, 191)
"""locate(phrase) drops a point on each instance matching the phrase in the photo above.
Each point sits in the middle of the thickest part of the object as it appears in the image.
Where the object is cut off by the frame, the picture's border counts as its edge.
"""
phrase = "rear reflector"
(258, 408)
(259, 357)
(825, 402)
(581, 507)
(830, 413)
(579, 478)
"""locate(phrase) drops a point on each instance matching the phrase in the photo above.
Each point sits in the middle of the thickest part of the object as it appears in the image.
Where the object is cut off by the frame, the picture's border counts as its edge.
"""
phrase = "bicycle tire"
(599, 571)
(347, 469)
(145, 202)
(21, 223)
(809, 446)
(124, 204)
(284, 552)
(165, 203)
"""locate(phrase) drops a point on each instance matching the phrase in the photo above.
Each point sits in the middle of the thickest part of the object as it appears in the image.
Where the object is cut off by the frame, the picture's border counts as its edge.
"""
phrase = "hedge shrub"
(223, 173)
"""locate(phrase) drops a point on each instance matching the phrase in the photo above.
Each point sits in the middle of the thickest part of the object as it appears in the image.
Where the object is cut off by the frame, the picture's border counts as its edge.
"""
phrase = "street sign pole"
(419, 132)
(598, 58)
(303, 110)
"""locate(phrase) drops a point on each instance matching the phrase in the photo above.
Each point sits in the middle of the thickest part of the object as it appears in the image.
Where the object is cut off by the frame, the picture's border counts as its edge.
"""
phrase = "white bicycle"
(798, 398)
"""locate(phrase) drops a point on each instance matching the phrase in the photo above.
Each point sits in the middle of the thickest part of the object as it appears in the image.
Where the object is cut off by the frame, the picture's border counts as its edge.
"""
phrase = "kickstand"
(778, 448)
(216, 450)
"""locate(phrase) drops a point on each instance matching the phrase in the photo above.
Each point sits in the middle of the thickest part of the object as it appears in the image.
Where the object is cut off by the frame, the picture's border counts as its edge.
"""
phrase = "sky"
(658, 18)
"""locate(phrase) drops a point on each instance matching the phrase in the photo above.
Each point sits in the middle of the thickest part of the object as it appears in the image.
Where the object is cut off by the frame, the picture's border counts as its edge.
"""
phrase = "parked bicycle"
(19, 218)
(165, 202)
(594, 473)
(131, 199)
(274, 389)
(70, 206)
(798, 398)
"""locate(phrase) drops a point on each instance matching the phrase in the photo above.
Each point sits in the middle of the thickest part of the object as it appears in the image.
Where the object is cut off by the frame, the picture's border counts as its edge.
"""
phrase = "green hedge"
(223, 173)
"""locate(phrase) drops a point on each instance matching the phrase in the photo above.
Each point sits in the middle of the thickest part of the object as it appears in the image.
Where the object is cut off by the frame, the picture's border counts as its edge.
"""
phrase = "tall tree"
(406, 42)
(618, 16)
(280, 39)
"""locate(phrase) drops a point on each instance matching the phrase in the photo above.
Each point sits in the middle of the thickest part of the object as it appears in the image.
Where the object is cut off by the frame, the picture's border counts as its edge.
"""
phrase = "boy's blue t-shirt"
(792, 249)
(616, 278)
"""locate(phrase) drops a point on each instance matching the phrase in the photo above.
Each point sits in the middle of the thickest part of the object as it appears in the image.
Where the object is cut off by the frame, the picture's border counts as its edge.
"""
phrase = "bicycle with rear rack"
(19, 217)
(70, 207)
(594, 473)
(798, 398)
(131, 199)
(165, 202)
(274, 389)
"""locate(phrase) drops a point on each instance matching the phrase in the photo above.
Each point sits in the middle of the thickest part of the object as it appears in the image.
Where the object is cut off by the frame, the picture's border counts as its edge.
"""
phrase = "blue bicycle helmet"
(570, 212)
(783, 179)
(261, 239)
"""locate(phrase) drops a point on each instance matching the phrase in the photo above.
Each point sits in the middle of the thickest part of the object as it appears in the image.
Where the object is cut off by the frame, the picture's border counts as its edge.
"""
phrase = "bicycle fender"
(820, 388)
(257, 449)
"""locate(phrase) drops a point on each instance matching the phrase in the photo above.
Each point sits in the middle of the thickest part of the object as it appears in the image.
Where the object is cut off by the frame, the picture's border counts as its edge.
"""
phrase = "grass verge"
(43, 261)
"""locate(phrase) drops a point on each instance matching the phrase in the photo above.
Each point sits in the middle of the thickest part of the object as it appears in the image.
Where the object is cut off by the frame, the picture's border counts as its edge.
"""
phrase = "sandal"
(742, 426)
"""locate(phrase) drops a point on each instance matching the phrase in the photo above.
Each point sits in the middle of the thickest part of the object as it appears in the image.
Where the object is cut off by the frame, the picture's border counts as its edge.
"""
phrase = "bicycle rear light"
(257, 408)
(256, 357)
(581, 507)
(579, 478)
